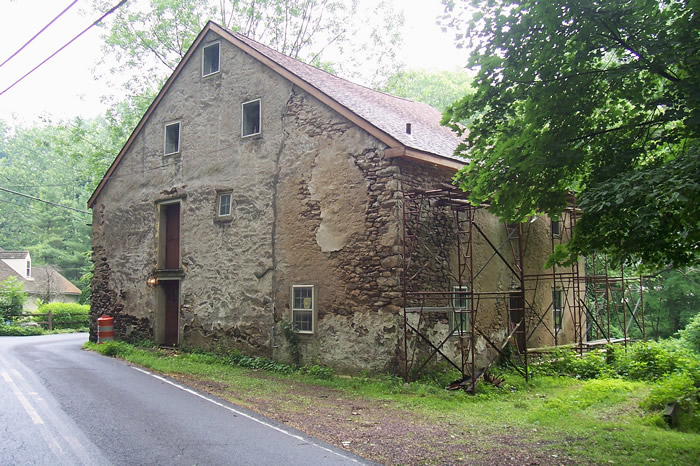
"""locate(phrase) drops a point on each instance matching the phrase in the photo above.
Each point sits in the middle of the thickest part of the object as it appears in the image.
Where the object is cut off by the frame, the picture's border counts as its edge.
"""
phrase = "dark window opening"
(210, 59)
(251, 118)
(172, 138)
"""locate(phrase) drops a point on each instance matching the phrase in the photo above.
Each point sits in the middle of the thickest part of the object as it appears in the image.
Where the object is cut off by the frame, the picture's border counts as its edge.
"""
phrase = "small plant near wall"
(292, 337)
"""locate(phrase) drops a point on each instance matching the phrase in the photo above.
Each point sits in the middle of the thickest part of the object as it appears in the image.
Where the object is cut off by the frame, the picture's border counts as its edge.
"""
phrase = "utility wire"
(37, 34)
(44, 201)
(66, 45)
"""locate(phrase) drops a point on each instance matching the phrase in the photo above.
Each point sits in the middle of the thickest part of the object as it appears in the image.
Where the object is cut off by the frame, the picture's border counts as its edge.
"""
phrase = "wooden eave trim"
(147, 115)
(421, 156)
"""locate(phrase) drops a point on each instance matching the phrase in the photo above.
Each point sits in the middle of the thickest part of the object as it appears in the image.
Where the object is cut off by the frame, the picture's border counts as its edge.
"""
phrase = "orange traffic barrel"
(105, 329)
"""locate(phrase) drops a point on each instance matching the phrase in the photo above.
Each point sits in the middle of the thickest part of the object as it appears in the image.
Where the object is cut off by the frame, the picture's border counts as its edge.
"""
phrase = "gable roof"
(59, 284)
(13, 254)
(41, 276)
(382, 115)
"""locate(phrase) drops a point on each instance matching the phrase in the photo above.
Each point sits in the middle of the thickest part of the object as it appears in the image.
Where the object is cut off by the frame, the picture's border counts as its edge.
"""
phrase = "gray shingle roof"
(13, 254)
(382, 114)
(388, 113)
(41, 276)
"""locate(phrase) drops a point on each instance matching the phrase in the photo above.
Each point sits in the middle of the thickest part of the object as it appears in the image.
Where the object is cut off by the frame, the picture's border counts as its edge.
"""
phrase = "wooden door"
(172, 236)
(172, 311)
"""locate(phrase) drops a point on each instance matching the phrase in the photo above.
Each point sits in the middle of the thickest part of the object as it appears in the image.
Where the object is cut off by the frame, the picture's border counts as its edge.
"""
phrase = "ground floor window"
(557, 308)
(461, 310)
(303, 307)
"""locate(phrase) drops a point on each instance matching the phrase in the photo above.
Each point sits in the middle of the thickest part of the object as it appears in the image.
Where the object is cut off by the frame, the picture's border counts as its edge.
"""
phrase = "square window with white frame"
(172, 138)
(303, 307)
(460, 315)
(557, 308)
(210, 59)
(251, 118)
(223, 204)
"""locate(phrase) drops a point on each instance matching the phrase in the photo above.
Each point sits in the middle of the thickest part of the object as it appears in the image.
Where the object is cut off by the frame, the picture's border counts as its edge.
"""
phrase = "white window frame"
(219, 197)
(243, 118)
(457, 301)
(165, 138)
(311, 310)
(557, 308)
(218, 58)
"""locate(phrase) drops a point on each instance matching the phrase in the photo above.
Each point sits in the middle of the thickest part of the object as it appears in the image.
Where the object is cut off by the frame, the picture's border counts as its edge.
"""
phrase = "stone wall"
(434, 267)
(226, 281)
(337, 229)
(314, 202)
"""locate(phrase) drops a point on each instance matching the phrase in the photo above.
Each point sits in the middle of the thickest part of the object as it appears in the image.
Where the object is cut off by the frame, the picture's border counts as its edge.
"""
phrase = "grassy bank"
(550, 420)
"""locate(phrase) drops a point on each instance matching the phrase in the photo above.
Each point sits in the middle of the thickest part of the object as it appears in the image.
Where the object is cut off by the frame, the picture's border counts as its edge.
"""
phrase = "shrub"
(681, 389)
(65, 315)
(690, 335)
(12, 297)
(651, 361)
(17, 331)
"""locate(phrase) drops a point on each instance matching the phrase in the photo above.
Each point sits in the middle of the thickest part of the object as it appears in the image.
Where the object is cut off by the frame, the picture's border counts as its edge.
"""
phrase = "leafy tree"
(438, 89)
(690, 335)
(39, 162)
(672, 299)
(150, 41)
(12, 298)
(596, 97)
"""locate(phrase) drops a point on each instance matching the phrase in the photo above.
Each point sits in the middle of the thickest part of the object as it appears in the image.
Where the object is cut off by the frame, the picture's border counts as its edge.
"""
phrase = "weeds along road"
(61, 405)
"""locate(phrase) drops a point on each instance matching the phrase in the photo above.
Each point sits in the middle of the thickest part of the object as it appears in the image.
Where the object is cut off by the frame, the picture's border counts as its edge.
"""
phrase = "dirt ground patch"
(382, 432)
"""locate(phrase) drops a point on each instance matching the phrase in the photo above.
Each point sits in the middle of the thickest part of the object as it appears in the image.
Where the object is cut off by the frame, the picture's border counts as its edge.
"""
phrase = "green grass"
(592, 421)
(17, 331)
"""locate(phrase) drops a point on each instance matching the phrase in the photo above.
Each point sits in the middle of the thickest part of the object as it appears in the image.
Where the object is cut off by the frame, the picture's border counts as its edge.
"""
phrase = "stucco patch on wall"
(339, 186)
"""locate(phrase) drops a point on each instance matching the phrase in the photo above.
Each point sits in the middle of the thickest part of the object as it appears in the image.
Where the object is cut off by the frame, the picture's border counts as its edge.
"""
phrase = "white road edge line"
(23, 399)
(188, 390)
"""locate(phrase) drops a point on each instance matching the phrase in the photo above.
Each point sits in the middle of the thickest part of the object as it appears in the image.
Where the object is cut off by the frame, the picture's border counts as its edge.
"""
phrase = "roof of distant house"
(48, 278)
(13, 254)
(41, 275)
(409, 129)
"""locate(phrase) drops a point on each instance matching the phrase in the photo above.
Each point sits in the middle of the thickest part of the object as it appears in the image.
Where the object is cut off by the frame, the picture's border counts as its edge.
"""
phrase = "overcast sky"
(66, 87)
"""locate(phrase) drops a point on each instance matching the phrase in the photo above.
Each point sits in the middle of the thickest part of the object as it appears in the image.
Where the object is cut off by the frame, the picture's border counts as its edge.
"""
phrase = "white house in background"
(40, 283)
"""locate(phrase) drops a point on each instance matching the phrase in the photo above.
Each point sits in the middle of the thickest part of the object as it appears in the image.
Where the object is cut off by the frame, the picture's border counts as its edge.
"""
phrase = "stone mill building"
(258, 190)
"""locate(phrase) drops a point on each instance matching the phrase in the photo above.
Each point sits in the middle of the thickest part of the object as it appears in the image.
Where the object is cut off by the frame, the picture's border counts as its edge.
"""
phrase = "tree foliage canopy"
(150, 42)
(59, 163)
(596, 97)
(436, 88)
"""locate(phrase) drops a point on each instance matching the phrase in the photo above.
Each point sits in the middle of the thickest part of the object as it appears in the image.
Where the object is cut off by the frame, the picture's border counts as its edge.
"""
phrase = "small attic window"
(250, 120)
(408, 128)
(224, 204)
(172, 138)
(210, 59)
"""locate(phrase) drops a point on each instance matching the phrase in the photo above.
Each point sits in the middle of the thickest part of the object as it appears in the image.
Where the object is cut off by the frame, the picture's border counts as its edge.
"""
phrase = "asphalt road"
(62, 405)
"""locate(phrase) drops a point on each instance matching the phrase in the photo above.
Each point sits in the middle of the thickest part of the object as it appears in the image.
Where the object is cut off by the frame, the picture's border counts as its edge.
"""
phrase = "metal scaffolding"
(440, 280)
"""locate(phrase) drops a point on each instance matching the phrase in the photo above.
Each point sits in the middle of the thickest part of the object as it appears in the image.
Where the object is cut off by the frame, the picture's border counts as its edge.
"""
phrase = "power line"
(44, 201)
(37, 34)
(64, 46)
